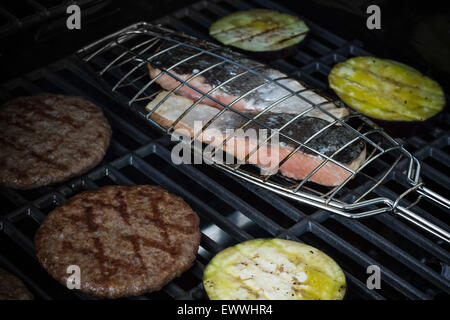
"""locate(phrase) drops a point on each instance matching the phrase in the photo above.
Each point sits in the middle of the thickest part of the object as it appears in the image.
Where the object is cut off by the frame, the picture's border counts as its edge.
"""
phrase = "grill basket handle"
(423, 223)
(433, 196)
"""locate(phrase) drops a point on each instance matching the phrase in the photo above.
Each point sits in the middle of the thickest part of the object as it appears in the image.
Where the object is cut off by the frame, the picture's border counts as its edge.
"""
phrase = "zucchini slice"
(273, 269)
(259, 30)
(386, 89)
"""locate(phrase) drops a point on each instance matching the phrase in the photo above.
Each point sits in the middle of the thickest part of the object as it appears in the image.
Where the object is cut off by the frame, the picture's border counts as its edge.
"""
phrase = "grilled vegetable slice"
(386, 89)
(273, 269)
(259, 30)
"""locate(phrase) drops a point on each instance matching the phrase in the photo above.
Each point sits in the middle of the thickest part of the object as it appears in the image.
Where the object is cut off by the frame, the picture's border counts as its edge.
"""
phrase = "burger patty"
(126, 240)
(49, 138)
(12, 288)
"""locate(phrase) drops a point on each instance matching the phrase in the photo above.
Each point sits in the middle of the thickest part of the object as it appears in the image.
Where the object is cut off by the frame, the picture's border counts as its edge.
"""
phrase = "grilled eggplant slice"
(259, 30)
(386, 89)
(273, 269)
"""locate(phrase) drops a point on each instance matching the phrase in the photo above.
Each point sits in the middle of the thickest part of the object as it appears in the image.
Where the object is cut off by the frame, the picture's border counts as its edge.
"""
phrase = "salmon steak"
(228, 82)
(333, 141)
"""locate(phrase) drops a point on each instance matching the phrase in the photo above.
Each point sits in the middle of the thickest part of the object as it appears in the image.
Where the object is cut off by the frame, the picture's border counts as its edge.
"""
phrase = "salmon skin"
(298, 166)
(267, 92)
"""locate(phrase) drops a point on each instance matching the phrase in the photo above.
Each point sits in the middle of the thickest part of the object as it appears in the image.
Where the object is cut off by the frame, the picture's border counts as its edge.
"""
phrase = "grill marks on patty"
(126, 240)
(48, 138)
(121, 209)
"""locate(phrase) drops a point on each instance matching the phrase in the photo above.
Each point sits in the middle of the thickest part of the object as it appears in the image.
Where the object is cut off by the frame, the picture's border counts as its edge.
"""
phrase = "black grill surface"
(414, 265)
(15, 15)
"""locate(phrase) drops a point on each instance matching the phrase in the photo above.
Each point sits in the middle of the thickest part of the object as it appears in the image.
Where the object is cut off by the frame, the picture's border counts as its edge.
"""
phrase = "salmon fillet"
(267, 92)
(269, 155)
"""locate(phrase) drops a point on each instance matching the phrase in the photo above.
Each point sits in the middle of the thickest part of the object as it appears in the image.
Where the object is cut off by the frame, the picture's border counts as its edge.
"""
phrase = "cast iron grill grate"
(414, 265)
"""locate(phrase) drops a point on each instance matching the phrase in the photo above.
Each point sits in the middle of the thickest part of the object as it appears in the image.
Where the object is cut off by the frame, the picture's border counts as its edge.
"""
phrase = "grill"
(413, 263)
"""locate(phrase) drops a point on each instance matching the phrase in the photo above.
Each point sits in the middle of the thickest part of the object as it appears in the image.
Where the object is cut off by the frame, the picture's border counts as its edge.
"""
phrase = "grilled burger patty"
(49, 138)
(12, 288)
(127, 240)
